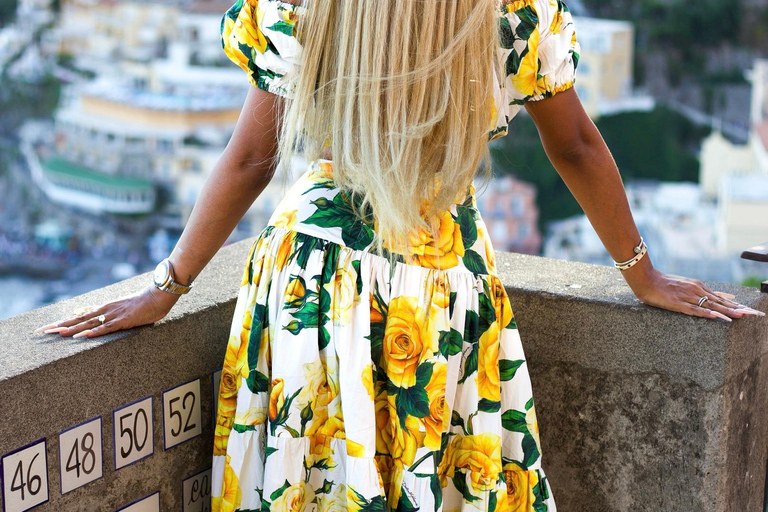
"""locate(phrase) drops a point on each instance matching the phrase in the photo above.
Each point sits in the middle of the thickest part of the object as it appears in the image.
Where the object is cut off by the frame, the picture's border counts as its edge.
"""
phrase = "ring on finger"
(702, 300)
(101, 318)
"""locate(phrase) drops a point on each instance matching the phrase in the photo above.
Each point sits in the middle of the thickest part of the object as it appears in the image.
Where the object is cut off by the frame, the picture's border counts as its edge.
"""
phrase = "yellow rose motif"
(276, 398)
(334, 502)
(488, 378)
(439, 417)
(408, 340)
(320, 449)
(526, 79)
(284, 251)
(376, 310)
(383, 423)
(504, 313)
(246, 29)
(520, 484)
(441, 292)
(254, 246)
(367, 379)
(295, 292)
(221, 434)
(512, 6)
(480, 454)
(385, 468)
(557, 22)
(405, 441)
(490, 256)
(442, 253)
(344, 294)
(256, 415)
(286, 219)
(355, 449)
(296, 498)
(231, 494)
(533, 425)
(321, 387)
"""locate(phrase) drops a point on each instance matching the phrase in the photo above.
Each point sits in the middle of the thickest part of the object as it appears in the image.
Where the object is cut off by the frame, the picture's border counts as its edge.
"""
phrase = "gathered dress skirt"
(355, 381)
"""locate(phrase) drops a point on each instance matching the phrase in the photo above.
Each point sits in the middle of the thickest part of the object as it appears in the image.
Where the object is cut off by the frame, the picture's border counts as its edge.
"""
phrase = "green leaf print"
(450, 342)
(258, 324)
(470, 363)
(423, 374)
(474, 262)
(326, 488)
(324, 338)
(506, 34)
(487, 313)
(437, 491)
(471, 327)
(492, 501)
(304, 250)
(257, 382)
(458, 421)
(269, 451)
(404, 504)
(514, 421)
(486, 405)
(530, 450)
(467, 226)
(411, 401)
(512, 324)
(294, 327)
(358, 236)
(460, 482)
(451, 304)
(282, 27)
(540, 490)
(358, 277)
(508, 368)
(364, 505)
(513, 63)
(529, 20)
(279, 491)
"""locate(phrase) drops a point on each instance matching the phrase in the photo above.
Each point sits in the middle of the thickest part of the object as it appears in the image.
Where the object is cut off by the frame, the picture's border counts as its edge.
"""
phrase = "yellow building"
(604, 76)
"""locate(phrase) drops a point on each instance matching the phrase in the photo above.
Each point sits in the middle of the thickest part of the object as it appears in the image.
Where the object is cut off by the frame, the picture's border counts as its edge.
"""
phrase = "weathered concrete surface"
(49, 383)
(641, 408)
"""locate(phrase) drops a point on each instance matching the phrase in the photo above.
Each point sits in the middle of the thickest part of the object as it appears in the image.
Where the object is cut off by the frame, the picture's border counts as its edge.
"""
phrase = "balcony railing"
(639, 408)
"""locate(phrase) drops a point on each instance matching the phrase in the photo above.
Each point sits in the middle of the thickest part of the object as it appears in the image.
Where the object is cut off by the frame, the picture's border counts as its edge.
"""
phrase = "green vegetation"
(7, 11)
(752, 282)
(656, 145)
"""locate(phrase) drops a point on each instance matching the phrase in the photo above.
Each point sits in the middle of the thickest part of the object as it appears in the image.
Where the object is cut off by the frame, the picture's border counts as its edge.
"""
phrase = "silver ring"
(102, 319)
(701, 300)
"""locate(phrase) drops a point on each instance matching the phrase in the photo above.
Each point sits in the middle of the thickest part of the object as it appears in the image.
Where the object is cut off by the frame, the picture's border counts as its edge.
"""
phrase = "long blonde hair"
(401, 90)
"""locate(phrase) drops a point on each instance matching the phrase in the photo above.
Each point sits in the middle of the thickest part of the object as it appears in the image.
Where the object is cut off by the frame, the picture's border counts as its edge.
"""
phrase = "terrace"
(639, 408)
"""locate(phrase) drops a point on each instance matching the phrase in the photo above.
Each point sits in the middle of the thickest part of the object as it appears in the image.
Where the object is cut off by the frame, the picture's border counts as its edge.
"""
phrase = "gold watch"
(164, 279)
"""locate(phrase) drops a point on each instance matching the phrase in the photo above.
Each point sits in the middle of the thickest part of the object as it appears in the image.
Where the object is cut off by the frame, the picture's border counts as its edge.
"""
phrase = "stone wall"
(639, 408)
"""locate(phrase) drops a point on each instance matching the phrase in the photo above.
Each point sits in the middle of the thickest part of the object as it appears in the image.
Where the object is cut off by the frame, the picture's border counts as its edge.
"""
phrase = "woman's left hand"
(682, 294)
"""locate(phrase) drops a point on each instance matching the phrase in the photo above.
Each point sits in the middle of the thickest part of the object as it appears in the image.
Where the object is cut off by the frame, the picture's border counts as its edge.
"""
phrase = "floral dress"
(356, 382)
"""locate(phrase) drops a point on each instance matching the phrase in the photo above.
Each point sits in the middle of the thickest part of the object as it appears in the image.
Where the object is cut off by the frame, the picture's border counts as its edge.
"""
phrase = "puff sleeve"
(260, 37)
(539, 50)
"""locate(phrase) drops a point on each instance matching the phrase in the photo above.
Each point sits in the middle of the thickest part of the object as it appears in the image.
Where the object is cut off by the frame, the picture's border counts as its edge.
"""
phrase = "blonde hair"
(401, 90)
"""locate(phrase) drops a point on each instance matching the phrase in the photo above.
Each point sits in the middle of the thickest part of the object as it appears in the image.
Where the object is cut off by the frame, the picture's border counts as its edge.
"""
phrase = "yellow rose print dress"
(355, 382)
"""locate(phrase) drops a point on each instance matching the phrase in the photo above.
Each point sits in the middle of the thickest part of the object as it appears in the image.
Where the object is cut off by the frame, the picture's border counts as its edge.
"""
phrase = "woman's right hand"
(145, 307)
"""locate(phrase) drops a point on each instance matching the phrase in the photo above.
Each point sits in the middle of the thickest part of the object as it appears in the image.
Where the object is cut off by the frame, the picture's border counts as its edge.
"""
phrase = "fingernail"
(49, 326)
(56, 329)
(81, 334)
(720, 315)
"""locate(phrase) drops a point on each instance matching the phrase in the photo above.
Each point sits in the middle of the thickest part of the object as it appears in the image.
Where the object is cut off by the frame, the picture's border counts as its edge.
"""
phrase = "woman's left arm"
(579, 154)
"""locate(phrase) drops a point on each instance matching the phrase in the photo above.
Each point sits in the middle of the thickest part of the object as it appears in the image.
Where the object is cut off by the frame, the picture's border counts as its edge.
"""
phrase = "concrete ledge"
(639, 408)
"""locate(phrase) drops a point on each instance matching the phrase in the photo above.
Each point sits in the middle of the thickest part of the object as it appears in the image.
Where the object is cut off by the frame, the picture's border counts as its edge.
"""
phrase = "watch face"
(161, 273)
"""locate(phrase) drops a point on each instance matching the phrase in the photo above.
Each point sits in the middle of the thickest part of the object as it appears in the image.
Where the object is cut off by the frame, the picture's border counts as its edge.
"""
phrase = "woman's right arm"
(242, 172)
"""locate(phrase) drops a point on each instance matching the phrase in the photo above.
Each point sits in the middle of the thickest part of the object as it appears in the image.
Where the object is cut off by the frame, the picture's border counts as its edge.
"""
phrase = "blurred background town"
(113, 112)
